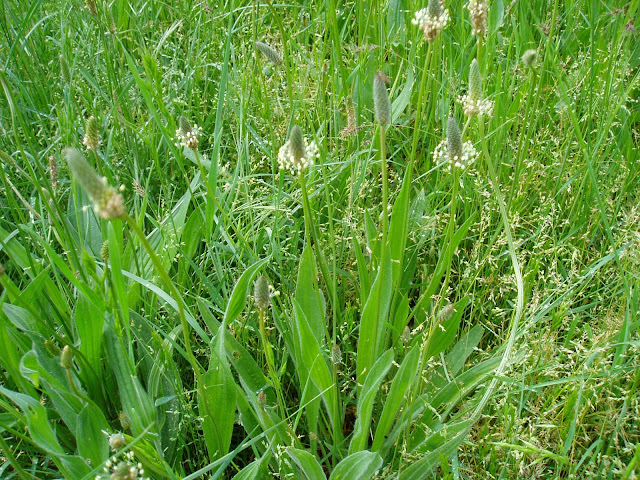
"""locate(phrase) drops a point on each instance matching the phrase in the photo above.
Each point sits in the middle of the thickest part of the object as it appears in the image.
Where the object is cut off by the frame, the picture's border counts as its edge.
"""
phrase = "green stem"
(271, 367)
(313, 237)
(385, 189)
(450, 234)
(421, 97)
(186, 332)
(517, 313)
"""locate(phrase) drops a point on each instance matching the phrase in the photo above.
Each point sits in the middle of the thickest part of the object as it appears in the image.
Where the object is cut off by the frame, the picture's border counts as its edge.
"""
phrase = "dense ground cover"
(442, 281)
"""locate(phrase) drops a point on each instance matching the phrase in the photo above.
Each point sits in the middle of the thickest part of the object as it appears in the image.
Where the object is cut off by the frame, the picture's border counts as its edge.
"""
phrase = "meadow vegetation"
(324, 239)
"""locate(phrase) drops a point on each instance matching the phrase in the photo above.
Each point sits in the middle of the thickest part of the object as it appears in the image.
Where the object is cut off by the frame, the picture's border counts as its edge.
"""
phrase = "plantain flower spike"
(432, 20)
(262, 293)
(381, 103)
(91, 138)
(297, 154)
(478, 10)
(530, 57)
(106, 202)
(459, 155)
(472, 102)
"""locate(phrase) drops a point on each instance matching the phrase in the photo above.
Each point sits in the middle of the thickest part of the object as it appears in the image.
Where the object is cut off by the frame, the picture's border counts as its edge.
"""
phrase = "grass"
(484, 325)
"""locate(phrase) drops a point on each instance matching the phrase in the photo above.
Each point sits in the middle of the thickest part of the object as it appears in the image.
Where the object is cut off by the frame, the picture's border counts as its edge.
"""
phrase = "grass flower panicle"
(106, 202)
(297, 154)
(432, 20)
(478, 10)
(186, 134)
(459, 154)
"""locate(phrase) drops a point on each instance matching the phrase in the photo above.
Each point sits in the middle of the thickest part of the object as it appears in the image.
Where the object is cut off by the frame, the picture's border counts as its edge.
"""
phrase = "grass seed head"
(116, 441)
(268, 51)
(106, 202)
(445, 313)
(381, 103)
(297, 154)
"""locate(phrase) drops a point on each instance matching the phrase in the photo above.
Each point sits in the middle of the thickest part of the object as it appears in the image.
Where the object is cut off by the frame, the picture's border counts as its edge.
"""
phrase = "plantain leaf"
(399, 388)
(92, 442)
(357, 466)
(307, 463)
(217, 404)
(240, 291)
(444, 331)
(365, 401)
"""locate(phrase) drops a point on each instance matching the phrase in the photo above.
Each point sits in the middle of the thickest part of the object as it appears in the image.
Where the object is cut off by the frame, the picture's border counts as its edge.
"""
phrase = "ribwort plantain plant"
(456, 298)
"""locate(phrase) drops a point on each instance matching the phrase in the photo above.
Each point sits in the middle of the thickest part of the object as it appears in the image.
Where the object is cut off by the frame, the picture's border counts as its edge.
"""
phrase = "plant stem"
(186, 332)
(268, 353)
(517, 313)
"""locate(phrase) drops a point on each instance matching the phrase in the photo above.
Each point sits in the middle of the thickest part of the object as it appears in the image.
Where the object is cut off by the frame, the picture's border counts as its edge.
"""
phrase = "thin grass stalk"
(517, 313)
(450, 235)
(13, 461)
(313, 238)
(186, 331)
(385, 188)
(268, 353)
(418, 120)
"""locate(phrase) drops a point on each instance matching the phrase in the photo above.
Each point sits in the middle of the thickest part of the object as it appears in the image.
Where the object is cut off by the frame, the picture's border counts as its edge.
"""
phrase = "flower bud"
(433, 8)
(262, 399)
(66, 358)
(125, 421)
(51, 348)
(336, 354)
